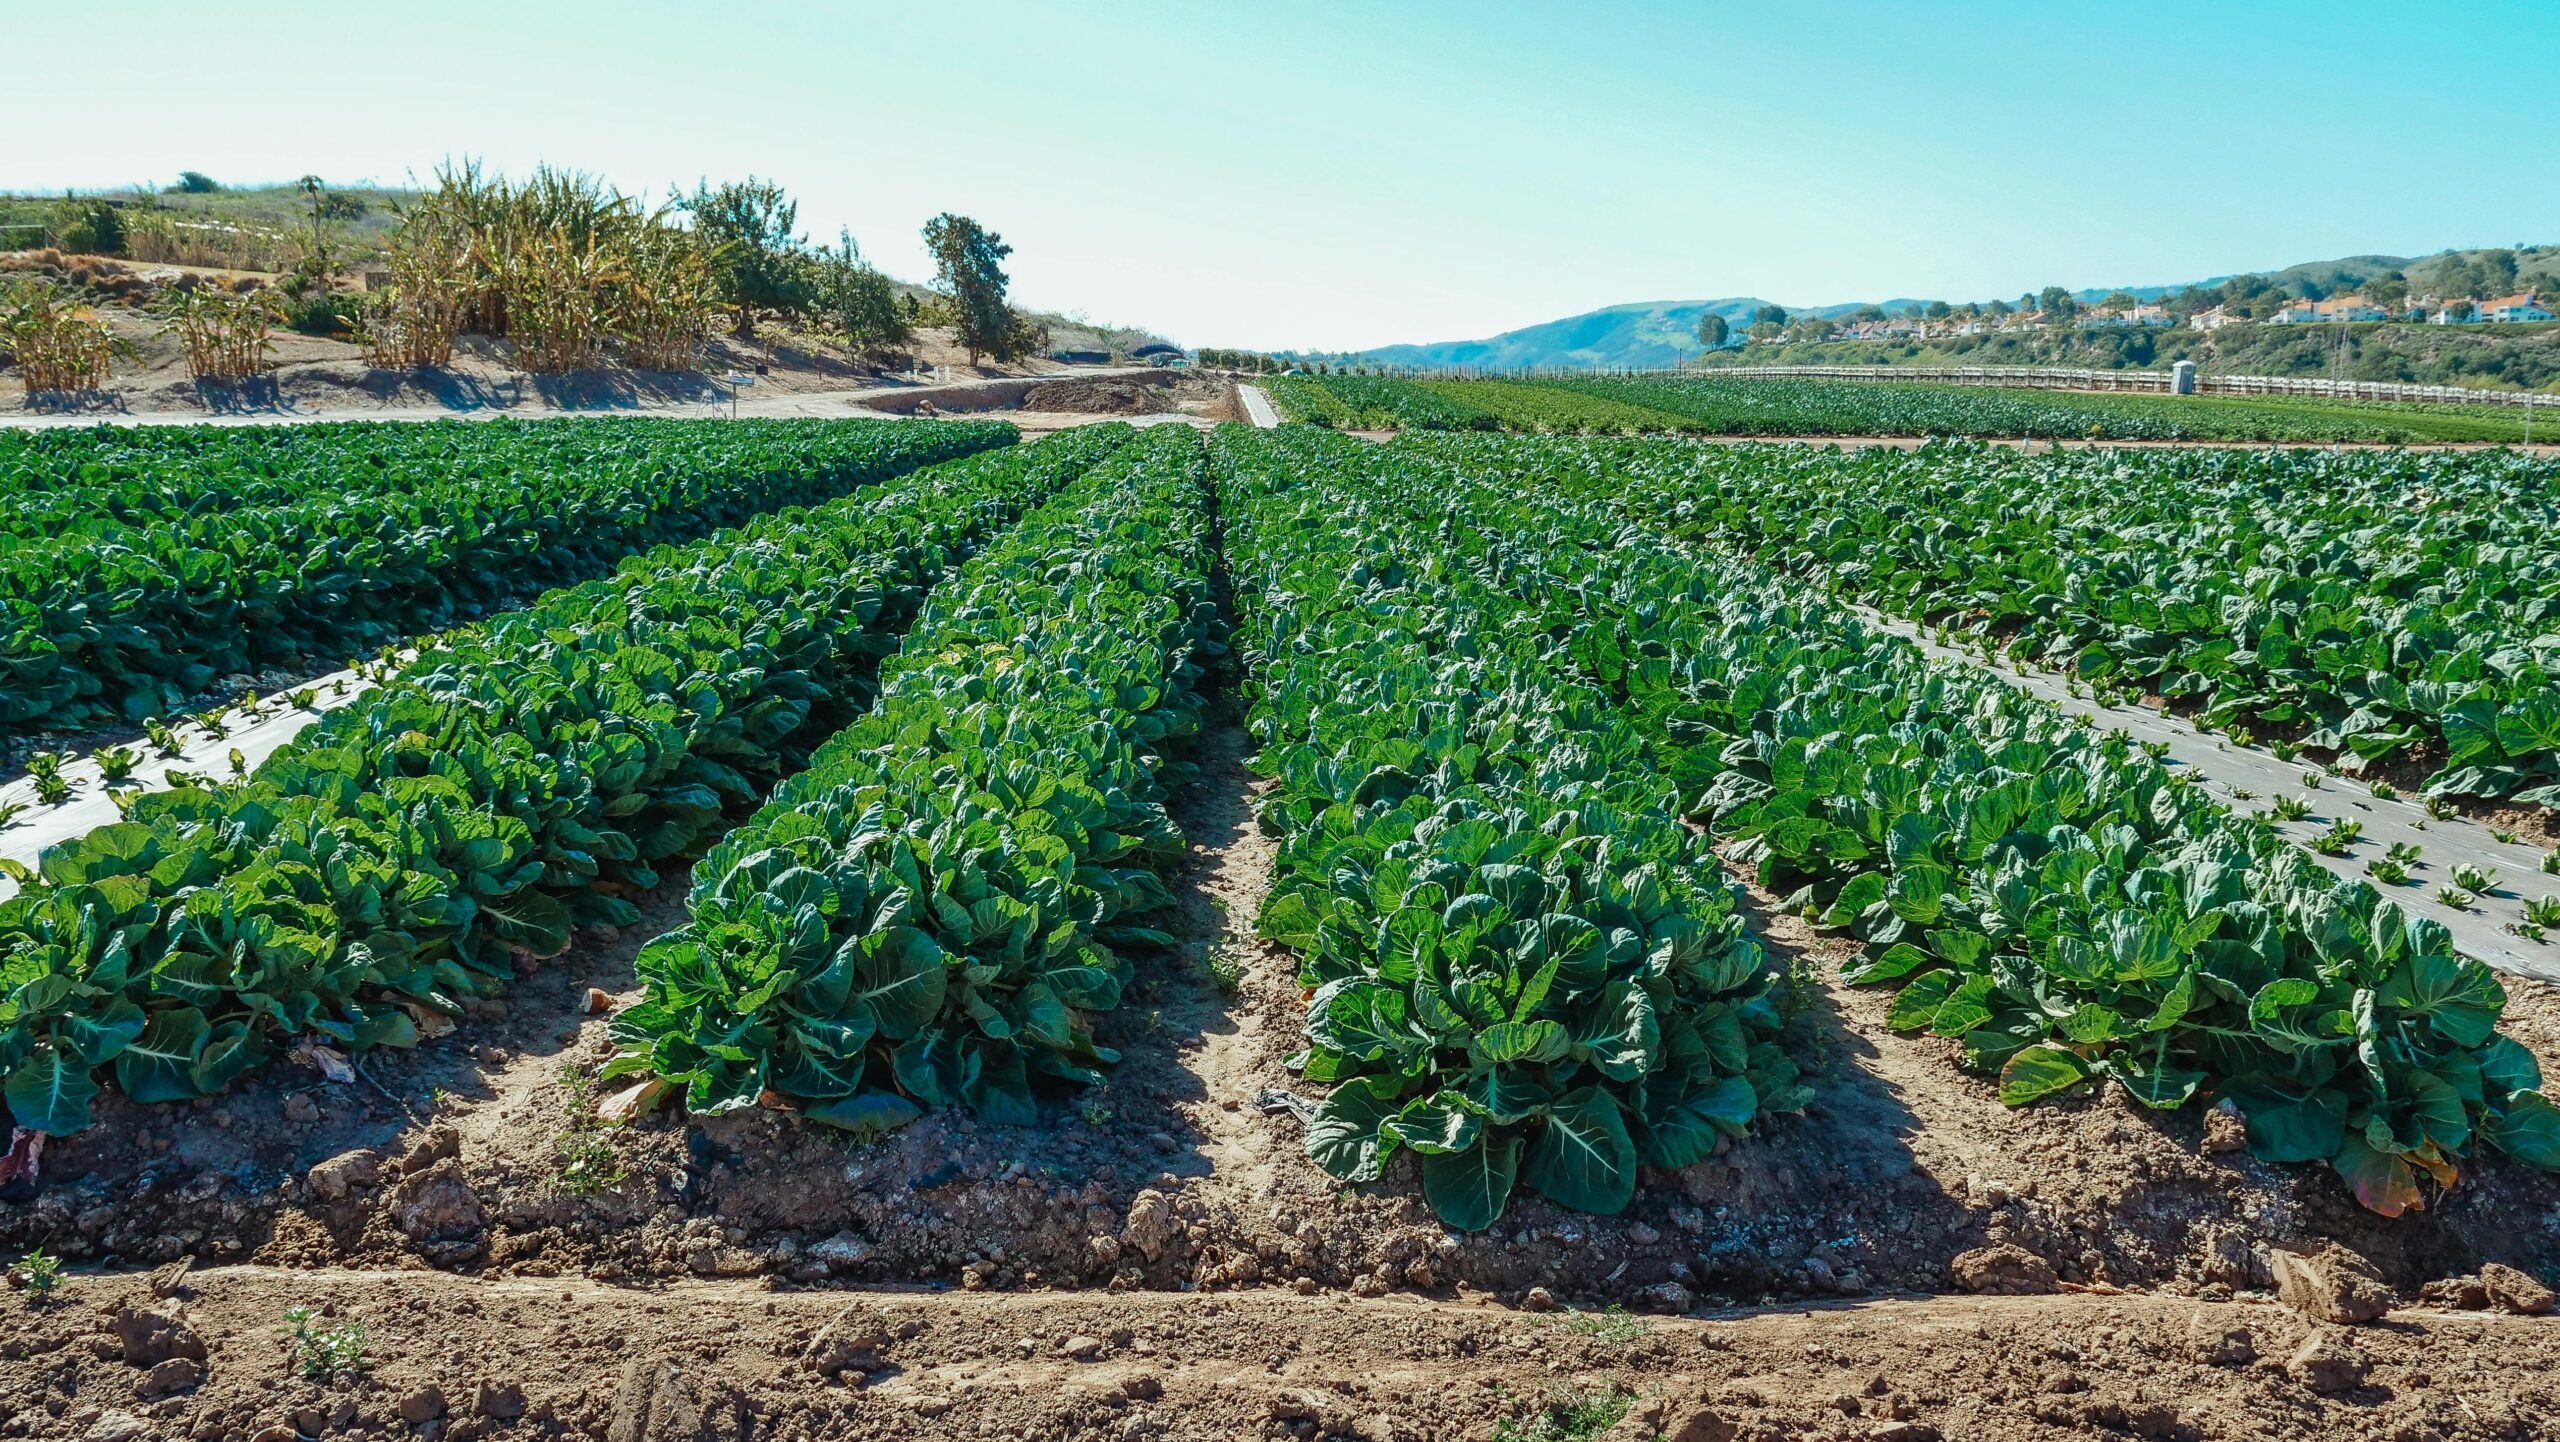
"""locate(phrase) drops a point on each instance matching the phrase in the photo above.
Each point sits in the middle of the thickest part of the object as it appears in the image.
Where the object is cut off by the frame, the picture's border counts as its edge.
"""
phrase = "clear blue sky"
(1342, 175)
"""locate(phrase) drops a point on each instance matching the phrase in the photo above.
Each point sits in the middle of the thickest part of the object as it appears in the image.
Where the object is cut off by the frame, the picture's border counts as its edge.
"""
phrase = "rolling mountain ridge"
(1655, 333)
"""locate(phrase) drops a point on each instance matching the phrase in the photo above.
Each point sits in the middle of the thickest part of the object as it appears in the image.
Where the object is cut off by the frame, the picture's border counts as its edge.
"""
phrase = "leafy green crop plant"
(137, 567)
(2370, 605)
(2042, 894)
(928, 914)
(1524, 970)
(511, 783)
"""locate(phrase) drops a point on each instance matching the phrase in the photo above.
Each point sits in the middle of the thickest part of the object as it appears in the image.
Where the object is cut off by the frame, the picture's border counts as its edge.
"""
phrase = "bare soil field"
(1157, 1258)
(1142, 397)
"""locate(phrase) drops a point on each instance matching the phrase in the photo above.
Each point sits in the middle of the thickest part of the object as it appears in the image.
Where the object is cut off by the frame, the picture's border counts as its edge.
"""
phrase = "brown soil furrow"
(458, 1358)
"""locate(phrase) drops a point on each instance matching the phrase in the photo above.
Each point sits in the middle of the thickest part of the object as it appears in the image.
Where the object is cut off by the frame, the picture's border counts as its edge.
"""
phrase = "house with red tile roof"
(2524, 305)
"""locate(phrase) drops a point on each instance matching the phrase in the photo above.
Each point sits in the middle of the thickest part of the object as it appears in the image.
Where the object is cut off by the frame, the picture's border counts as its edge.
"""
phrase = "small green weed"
(37, 1274)
(1612, 1324)
(588, 1164)
(1570, 1415)
(1225, 963)
(318, 1354)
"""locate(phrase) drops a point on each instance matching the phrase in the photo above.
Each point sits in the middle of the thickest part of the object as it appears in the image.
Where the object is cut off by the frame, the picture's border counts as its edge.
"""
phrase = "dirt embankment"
(1158, 1258)
(1094, 397)
(318, 375)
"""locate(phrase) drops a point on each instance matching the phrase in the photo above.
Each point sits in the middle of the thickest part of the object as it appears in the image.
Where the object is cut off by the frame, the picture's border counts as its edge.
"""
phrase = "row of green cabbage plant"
(415, 847)
(929, 913)
(2390, 609)
(1523, 967)
(138, 569)
(2053, 898)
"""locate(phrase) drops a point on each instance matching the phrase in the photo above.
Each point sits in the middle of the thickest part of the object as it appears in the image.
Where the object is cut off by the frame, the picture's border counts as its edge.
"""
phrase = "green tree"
(856, 303)
(195, 182)
(755, 256)
(1024, 334)
(2119, 300)
(1939, 310)
(968, 263)
(2056, 302)
(1712, 331)
(1769, 315)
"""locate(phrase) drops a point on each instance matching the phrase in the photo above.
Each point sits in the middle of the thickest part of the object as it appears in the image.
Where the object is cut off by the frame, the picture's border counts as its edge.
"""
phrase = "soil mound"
(1094, 398)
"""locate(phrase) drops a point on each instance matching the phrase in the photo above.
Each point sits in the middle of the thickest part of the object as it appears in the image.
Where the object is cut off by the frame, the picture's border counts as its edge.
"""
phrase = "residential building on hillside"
(2214, 319)
(1894, 329)
(2140, 315)
(2526, 305)
(2315, 312)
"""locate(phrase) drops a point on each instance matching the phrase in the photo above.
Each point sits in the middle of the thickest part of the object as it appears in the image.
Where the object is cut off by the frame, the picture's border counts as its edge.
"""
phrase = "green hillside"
(1655, 333)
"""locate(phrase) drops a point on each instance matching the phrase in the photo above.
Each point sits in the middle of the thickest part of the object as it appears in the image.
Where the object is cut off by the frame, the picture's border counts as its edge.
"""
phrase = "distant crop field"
(1759, 407)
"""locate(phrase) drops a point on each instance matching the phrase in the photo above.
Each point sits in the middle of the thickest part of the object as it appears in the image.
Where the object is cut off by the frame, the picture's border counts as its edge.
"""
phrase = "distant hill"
(1652, 333)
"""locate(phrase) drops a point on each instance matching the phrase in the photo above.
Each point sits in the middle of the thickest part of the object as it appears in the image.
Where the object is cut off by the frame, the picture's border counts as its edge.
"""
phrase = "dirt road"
(969, 395)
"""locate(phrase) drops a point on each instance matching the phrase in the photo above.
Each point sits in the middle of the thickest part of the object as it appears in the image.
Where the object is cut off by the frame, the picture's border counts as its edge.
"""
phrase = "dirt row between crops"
(459, 1359)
